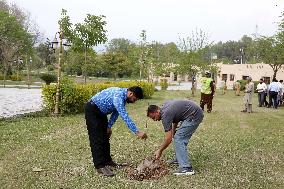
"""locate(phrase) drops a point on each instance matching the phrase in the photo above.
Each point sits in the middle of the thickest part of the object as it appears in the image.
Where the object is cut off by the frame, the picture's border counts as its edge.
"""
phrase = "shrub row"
(12, 77)
(74, 96)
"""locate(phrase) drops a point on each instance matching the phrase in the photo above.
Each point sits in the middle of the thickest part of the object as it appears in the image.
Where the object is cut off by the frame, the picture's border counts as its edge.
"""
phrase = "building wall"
(240, 71)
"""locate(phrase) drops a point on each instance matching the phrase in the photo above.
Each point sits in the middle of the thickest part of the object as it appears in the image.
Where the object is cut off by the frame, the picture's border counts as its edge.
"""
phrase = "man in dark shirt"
(109, 101)
(189, 115)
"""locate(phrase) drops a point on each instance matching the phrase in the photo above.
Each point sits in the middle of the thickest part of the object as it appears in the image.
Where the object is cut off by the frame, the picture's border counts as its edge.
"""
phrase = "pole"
(28, 69)
(57, 96)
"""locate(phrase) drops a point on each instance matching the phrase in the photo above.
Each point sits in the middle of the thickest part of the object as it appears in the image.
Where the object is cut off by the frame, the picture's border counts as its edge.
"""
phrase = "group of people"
(180, 119)
(274, 91)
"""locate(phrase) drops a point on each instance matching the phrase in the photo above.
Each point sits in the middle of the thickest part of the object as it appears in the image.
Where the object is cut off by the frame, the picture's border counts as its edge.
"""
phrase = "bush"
(48, 78)
(164, 84)
(243, 84)
(50, 68)
(1, 77)
(15, 78)
(74, 96)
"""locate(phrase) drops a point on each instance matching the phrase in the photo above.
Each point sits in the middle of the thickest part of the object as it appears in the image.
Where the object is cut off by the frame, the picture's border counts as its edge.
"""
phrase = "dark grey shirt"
(175, 111)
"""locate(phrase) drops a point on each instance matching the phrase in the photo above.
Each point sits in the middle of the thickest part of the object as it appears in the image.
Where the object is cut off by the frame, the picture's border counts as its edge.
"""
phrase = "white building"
(233, 72)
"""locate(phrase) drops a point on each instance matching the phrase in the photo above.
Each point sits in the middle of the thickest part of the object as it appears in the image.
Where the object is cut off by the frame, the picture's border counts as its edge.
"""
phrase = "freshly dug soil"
(148, 169)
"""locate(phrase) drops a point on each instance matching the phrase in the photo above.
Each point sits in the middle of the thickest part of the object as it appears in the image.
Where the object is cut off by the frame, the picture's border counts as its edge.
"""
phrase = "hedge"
(74, 96)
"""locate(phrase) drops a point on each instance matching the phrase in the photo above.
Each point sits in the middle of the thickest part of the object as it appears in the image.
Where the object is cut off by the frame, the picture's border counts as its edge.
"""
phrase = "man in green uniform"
(207, 91)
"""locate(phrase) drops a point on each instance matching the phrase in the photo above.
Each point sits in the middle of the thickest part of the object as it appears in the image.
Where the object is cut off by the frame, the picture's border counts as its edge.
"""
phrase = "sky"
(164, 20)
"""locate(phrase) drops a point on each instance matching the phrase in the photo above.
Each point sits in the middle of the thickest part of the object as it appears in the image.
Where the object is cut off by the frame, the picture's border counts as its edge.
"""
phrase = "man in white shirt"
(273, 89)
(261, 89)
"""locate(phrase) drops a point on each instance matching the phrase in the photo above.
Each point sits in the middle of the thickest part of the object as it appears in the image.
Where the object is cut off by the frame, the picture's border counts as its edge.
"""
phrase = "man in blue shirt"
(109, 101)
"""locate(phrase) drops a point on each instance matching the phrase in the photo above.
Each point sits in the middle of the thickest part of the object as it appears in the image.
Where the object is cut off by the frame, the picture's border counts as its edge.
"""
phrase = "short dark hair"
(274, 79)
(137, 91)
(261, 79)
(152, 109)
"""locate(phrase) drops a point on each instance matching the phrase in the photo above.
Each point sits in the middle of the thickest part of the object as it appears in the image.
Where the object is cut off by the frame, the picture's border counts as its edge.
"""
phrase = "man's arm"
(212, 86)
(165, 144)
(174, 127)
(112, 119)
(120, 107)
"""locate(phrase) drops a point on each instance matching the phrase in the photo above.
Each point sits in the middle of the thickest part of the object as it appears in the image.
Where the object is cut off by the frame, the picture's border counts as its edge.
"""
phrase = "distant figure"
(261, 90)
(237, 88)
(248, 95)
(207, 91)
(273, 89)
(224, 89)
(193, 87)
(281, 92)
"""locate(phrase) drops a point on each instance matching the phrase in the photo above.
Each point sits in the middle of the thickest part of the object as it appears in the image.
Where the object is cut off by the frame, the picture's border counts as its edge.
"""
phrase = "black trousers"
(273, 96)
(206, 99)
(97, 123)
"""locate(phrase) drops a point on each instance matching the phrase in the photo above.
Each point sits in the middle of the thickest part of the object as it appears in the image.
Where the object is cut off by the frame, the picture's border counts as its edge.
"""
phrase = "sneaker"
(172, 162)
(106, 172)
(185, 171)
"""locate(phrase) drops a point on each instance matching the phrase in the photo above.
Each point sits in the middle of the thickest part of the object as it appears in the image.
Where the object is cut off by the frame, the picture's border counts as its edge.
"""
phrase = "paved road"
(15, 101)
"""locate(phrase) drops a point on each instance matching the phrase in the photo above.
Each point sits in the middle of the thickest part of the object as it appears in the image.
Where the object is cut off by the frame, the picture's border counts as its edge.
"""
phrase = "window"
(224, 77)
(232, 77)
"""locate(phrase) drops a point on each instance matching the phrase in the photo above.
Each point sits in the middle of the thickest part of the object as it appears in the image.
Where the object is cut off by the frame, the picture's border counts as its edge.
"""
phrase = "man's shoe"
(106, 172)
(172, 162)
(185, 171)
(115, 164)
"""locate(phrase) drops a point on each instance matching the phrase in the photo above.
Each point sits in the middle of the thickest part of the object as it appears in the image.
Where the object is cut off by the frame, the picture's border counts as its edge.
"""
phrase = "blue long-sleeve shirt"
(112, 100)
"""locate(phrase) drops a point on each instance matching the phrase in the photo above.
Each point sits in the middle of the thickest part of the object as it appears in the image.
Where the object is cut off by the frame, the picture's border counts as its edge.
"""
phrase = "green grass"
(229, 150)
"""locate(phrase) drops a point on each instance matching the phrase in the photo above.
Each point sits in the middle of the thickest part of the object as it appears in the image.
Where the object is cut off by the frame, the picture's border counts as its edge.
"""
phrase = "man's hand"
(141, 135)
(158, 154)
(109, 131)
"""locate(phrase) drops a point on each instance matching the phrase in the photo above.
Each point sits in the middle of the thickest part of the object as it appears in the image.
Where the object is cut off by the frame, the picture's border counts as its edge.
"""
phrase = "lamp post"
(54, 46)
(242, 55)
(62, 45)
(29, 66)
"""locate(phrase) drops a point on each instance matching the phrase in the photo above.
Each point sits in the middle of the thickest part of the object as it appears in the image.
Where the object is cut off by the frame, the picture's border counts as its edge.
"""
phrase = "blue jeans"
(261, 98)
(181, 139)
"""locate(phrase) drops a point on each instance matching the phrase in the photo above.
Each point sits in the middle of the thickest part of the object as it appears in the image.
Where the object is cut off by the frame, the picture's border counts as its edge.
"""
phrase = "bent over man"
(184, 114)
(111, 100)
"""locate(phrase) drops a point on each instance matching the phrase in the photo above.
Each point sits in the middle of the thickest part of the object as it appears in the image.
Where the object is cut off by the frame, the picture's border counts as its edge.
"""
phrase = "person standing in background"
(261, 90)
(273, 89)
(248, 95)
(207, 91)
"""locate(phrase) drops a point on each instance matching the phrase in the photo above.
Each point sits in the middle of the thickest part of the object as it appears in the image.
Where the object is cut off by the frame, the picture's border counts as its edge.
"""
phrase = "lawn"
(230, 149)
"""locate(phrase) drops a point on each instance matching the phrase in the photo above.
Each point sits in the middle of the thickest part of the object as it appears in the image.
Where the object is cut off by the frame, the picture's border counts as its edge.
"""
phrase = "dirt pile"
(149, 168)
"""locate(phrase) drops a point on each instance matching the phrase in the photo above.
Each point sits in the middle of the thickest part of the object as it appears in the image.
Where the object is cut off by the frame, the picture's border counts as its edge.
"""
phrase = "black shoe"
(115, 164)
(106, 172)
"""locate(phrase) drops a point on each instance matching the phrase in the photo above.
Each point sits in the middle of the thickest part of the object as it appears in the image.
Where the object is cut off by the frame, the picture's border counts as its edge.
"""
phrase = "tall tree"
(84, 36)
(271, 51)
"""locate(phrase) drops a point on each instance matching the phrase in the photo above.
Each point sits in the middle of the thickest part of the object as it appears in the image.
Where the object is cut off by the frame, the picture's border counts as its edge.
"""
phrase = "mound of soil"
(148, 169)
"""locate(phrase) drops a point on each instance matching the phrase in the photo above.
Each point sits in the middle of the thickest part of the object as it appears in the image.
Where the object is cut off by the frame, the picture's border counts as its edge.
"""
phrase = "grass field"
(229, 150)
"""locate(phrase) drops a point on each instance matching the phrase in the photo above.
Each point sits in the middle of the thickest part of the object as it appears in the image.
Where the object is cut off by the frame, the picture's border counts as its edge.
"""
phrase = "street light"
(242, 55)
(29, 63)
(55, 46)
(66, 45)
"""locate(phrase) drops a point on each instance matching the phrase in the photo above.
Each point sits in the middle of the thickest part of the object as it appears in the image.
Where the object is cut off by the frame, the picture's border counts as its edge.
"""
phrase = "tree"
(115, 63)
(271, 51)
(14, 39)
(84, 36)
